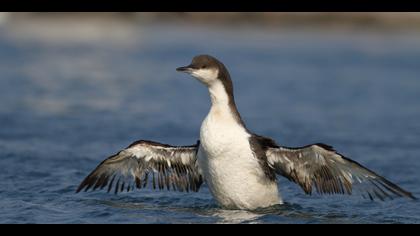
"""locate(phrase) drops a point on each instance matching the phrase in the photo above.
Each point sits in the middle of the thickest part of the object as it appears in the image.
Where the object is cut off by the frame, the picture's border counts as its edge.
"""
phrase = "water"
(69, 99)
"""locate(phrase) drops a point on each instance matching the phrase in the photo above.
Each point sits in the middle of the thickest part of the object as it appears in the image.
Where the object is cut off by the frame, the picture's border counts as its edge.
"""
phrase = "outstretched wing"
(320, 166)
(144, 162)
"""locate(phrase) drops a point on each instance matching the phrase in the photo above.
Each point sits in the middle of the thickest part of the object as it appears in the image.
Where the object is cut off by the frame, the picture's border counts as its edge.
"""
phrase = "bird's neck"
(219, 96)
(223, 102)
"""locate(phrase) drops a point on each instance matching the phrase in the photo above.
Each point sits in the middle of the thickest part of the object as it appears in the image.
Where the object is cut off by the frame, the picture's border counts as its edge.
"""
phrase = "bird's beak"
(186, 69)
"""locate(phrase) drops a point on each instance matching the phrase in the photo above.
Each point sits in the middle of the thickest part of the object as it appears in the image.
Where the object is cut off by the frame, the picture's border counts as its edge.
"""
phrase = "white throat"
(206, 76)
(222, 109)
(222, 104)
(218, 94)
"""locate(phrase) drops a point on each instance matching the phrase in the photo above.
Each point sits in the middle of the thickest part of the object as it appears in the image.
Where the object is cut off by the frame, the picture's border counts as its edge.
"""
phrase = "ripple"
(66, 106)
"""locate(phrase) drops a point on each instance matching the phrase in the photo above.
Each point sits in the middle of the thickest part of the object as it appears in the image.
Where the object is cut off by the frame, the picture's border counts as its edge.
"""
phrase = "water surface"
(68, 100)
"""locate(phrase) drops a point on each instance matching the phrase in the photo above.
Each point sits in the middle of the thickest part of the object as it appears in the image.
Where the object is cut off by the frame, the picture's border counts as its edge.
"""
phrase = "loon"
(238, 166)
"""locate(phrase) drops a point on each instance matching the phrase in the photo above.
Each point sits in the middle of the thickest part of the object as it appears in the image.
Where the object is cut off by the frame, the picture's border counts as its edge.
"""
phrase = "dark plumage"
(319, 166)
(170, 166)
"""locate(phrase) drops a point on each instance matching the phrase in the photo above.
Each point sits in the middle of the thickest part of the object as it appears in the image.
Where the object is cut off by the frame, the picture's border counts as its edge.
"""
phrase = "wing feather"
(320, 167)
(170, 166)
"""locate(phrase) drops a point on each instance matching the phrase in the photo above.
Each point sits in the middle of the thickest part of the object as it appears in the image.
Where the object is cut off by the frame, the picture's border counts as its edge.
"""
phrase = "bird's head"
(207, 70)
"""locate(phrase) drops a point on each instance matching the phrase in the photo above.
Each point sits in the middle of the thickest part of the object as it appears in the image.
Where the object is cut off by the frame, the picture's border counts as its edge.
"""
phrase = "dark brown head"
(207, 70)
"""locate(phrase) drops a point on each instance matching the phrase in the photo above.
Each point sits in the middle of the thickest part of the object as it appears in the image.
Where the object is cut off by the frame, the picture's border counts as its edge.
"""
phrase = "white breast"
(229, 167)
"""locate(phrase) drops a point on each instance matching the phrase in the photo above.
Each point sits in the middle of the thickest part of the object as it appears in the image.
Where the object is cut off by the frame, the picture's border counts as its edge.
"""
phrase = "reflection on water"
(204, 209)
(236, 216)
(74, 92)
(286, 210)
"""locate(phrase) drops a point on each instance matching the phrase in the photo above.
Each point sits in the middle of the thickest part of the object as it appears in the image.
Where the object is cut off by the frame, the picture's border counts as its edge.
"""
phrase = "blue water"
(67, 103)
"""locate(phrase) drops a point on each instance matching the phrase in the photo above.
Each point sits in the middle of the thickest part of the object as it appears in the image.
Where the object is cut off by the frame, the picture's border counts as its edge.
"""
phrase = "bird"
(239, 167)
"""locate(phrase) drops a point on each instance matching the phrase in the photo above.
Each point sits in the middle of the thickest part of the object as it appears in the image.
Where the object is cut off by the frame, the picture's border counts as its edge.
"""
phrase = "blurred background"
(77, 87)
